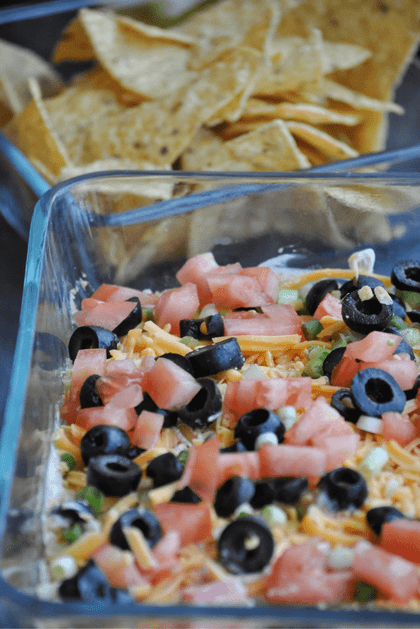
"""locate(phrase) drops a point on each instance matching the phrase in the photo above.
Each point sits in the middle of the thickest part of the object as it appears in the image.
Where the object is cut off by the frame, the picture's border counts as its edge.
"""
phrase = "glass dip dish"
(138, 229)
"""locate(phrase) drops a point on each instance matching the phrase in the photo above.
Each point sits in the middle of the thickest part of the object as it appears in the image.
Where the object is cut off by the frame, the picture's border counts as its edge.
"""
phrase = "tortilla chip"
(204, 145)
(74, 44)
(269, 147)
(260, 110)
(72, 112)
(227, 25)
(35, 136)
(293, 66)
(341, 56)
(325, 143)
(338, 92)
(144, 60)
(6, 114)
(390, 30)
(159, 134)
(99, 79)
(18, 64)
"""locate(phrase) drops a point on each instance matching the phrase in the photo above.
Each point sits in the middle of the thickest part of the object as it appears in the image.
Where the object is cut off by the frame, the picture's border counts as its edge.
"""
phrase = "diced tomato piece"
(330, 306)
(376, 346)
(128, 369)
(272, 393)
(238, 464)
(299, 576)
(192, 521)
(147, 429)
(201, 470)
(111, 292)
(305, 557)
(196, 267)
(319, 416)
(105, 314)
(398, 427)
(312, 588)
(394, 576)
(400, 367)
(268, 279)
(338, 448)
(176, 304)
(234, 290)
(165, 554)
(87, 363)
(343, 373)
(402, 538)
(115, 564)
(125, 418)
(230, 591)
(288, 460)
(121, 376)
(129, 397)
(169, 385)
(276, 320)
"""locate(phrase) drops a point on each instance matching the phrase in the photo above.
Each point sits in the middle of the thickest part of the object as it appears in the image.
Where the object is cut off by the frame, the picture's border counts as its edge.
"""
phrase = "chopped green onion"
(147, 314)
(287, 296)
(274, 515)
(317, 351)
(373, 463)
(340, 343)
(411, 335)
(398, 323)
(93, 497)
(183, 457)
(288, 416)
(313, 368)
(311, 329)
(73, 533)
(189, 341)
(68, 460)
(244, 511)
(409, 297)
(363, 592)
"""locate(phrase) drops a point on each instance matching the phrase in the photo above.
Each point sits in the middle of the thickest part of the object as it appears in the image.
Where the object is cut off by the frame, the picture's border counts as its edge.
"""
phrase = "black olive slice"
(139, 518)
(410, 394)
(164, 469)
(375, 391)
(232, 494)
(342, 401)
(147, 404)
(367, 315)
(205, 407)
(113, 474)
(179, 360)
(132, 320)
(237, 446)
(257, 422)
(89, 396)
(245, 546)
(264, 494)
(377, 517)
(332, 361)
(317, 293)
(104, 439)
(90, 584)
(92, 337)
(289, 490)
(74, 512)
(398, 306)
(362, 280)
(406, 275)
(342, 488)
(204, 329)
(212, 359)
(414, 316)
(186, 495)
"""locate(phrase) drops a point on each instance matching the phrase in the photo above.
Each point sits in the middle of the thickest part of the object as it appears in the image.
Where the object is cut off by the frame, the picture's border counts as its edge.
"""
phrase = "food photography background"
(40, 34)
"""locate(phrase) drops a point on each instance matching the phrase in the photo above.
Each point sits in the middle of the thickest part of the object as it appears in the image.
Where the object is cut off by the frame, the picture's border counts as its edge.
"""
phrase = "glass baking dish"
(20, 183)
(137, 229)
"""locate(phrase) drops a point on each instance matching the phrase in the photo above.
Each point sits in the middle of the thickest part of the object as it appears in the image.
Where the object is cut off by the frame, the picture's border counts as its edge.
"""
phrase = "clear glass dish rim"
(20, 371)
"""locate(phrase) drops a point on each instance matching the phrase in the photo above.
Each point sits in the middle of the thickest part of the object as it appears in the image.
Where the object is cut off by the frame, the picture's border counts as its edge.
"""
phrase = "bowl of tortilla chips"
(252, 86)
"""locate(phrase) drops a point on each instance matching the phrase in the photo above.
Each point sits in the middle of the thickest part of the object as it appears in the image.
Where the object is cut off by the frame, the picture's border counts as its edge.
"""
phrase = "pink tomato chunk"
(402, 537)
(289, 460)
(169, 385)
(176, 304)
(392, 575)
(147, 429)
